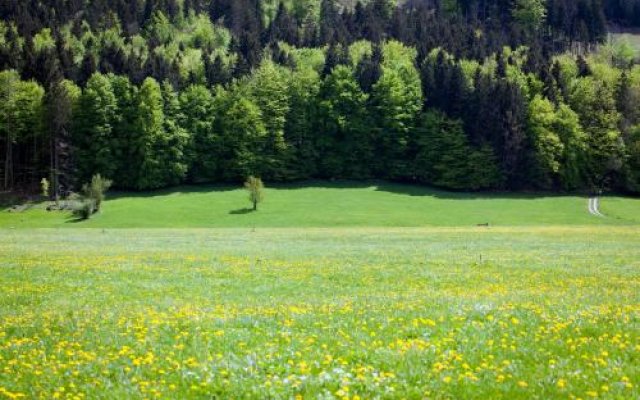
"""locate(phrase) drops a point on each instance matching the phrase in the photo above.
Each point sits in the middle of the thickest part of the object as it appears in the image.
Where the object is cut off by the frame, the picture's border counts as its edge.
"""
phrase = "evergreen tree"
(197, 119)
(446, 159)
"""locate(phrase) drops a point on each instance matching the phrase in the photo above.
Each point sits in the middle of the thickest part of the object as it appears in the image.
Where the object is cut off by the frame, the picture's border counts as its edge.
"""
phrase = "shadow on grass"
(408, 189)
(75, 220)
(242, 211)
(420, 190)
(177, 190)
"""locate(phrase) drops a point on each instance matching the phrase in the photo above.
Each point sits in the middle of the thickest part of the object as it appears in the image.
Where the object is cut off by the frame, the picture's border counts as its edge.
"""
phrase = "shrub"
(88, 203)
(95, 190)
(44, 187)
(84, 208)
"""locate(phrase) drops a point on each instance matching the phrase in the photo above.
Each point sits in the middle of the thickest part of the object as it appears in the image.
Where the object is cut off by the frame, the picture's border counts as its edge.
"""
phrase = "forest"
(458, 94)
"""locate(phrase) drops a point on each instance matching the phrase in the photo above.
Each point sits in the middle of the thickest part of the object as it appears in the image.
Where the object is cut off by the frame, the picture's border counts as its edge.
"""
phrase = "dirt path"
(594, 207)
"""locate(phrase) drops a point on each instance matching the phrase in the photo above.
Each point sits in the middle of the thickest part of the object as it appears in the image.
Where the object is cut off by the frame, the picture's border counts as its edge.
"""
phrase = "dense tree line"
(159, 92)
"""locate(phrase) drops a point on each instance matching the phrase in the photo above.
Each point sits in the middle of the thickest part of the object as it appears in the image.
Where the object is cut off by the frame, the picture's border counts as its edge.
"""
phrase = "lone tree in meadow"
(255, 187)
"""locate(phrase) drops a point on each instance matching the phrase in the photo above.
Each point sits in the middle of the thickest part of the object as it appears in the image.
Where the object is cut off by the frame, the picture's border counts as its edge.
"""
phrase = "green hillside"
(324, 204)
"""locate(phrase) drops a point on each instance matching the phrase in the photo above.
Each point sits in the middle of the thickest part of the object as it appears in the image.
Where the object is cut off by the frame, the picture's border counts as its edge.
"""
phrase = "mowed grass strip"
(514, 313)
(332, 205)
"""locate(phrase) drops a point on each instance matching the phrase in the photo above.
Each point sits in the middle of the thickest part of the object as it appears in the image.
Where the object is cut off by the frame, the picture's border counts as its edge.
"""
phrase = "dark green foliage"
(243, 136)
(344, 144)
(161, 143)
(446, 159)
(396, 103)
(197, 91)
(196, 118)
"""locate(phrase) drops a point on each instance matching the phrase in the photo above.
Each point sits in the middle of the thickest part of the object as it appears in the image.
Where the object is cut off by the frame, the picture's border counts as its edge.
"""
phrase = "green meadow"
(327, 292)
(331, 205)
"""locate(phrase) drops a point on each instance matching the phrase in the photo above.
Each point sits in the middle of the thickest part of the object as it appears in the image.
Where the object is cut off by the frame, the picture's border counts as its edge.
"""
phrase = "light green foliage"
(161, 29)
(21, 118)
(43, 40)
(138, 48)
(594, 102)
(9, 80)
(398, 100)
(73, 92)
(9, 28)
(202, 33)
(267, 88)
(568, 69)
(93, 129)
(83, 208)
(450, 6)
(21, 107)
(573, 166)
(313, 58)
(619, 52)
(45, 187)
(255, 187)
(112, 38)
(358, 50)
(604, 72)
(549, 148)
(185, 42)
(529, 83)
(303, 10)
(469, 68)
(96, 189)
(150, 124)
(530, 14)
(191, 65)
(74, 44)
(633, 151)
(4, 28)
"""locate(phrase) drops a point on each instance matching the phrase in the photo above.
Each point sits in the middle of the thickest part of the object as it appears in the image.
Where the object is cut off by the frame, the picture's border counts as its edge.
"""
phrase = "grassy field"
(632, 39)
(513, 313)
(332, 205)
(329, 291)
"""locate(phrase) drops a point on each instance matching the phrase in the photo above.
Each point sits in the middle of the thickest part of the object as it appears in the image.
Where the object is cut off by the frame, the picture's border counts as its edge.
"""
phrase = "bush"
(84, 208)
(95, 190)
(88, 203)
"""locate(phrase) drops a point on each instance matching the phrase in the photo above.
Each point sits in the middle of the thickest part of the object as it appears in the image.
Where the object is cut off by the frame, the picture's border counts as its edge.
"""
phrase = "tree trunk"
(255, 205)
